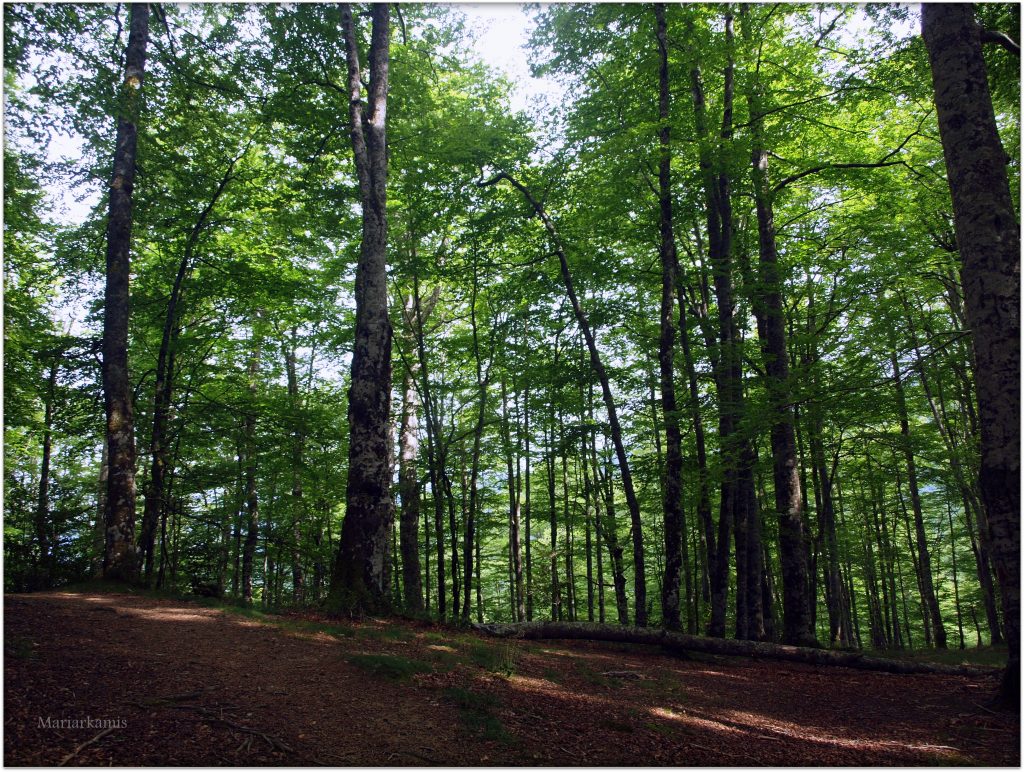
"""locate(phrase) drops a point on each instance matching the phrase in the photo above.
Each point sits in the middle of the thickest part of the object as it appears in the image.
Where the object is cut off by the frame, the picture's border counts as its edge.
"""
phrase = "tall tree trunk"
(526, 504)
(483, 377)
(988, 236)
(358, 582)
(968, 496)
(163, 389)
(436, 455)
(556, 597)
(798, 628)
(672, 494)
(728, 373)
(119, 555)
(609, 535)
(707, 528)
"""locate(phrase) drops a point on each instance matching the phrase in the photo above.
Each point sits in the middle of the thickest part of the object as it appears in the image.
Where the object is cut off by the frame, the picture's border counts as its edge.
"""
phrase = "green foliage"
(246, 180)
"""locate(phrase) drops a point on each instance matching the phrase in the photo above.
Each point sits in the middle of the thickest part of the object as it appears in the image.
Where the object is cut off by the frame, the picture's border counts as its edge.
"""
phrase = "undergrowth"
(477, 712)
(390, 665)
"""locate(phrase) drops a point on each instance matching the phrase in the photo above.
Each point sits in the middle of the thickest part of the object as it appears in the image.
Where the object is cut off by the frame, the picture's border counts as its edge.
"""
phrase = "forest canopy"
(692, 348)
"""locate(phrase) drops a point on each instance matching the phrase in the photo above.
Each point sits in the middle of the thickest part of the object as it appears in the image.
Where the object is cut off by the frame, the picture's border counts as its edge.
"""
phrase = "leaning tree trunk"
(163, 389)
(358, 582)
(988, 236)
(597, 365)
(119, 555)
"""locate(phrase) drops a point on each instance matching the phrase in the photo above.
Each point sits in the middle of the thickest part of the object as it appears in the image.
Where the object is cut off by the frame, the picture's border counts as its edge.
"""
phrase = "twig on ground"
(85, 745)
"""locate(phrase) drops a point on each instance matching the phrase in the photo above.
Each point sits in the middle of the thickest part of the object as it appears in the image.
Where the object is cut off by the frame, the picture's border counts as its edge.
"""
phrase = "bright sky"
(500, 43)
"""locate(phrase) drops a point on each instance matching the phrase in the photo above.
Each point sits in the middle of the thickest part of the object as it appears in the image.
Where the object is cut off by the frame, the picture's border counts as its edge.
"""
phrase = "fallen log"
(681, 643)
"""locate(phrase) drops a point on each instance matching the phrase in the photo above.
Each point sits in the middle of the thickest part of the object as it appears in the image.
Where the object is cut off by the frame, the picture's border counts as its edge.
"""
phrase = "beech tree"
(119, 560)
(358, 581)
(720, 297)
(988, 239)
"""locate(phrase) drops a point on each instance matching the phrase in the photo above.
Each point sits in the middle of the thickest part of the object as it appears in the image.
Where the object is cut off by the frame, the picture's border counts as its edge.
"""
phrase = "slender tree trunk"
(556, 598)
(956, 578)
(968, 496)
(609, 534)
(512, 465)
(798, 626)
(408, 473)
(251, 499)
(483, 377)
(119, 556)
(436, 456)
(672, 492)
(526, 505)
(298, 453)
(47, 546)
(927, 585)
(728, 372)
(358, 582)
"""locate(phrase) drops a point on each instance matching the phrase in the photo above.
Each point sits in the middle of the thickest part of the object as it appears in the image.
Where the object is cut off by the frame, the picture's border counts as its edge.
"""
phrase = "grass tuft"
(389, 665)
(477, 712)
(500, 658)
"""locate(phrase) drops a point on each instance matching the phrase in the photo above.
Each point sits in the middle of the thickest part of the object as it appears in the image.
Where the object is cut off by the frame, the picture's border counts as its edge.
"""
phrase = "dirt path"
(184, 684)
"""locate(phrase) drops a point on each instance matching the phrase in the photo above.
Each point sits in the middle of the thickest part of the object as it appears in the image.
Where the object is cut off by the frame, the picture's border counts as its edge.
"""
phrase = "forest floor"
(189, 683)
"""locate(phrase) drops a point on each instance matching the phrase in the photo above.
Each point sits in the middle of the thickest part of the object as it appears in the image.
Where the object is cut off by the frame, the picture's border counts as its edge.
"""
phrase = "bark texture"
(358, 582)
(672, 494)
(988, 237)
(119, 555)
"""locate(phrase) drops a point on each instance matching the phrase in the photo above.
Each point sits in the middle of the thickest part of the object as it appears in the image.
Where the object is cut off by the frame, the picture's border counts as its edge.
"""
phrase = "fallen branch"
(681, 643)
(85, 745)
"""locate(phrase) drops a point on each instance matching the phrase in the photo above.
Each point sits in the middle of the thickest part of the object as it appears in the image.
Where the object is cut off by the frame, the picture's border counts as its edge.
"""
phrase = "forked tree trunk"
(358, 582)
(988, 236)
(119, 555)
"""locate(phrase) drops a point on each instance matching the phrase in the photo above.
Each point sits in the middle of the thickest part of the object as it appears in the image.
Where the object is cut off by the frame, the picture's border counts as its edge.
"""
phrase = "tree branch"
(825, 167)
(1000, 39)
